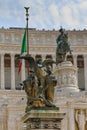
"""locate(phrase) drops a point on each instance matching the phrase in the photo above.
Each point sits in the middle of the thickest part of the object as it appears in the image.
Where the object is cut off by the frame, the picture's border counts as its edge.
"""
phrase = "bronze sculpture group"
(39, 86)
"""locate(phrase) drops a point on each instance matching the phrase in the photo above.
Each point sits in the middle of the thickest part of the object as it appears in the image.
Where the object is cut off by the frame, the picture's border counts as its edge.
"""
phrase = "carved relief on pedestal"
(37, 123)
(66, 74)
(42, 119)
(80, 119)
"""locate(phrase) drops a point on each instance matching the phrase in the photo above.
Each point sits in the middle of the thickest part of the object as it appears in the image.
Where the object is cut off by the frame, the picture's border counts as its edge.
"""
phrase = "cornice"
(12, 93)
(39, 49)
(16, 108)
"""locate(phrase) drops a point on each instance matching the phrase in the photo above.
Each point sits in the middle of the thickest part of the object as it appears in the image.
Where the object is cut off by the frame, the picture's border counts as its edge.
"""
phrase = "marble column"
(75, 62)
(85, 71)
(43, 57)
(71, 124)
(2, 72)
(75, 59)
(12, 71)
(23, 70)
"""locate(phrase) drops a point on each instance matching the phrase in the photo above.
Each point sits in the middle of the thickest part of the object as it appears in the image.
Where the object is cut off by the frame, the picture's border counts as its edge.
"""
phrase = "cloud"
(67, 17)
(44, 14)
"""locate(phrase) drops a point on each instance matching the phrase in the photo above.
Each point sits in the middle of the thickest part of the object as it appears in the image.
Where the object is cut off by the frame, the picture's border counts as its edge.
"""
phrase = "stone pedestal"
(42, 120)
(66, 74)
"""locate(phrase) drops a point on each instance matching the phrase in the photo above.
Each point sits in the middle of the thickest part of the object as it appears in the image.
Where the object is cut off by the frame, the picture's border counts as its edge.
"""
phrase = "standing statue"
(31, 87)
(63, 46)
(39, 86)
(80, 119)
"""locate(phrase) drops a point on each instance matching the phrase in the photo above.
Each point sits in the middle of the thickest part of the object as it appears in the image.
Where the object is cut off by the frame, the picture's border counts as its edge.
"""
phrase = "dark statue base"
(43, 119)
(40, 108)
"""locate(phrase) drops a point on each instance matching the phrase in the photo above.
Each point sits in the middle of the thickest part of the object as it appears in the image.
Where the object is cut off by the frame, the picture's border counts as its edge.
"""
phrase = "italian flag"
(23, 50)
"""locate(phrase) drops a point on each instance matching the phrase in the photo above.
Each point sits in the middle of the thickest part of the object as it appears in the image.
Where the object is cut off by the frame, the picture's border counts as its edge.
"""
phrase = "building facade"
(42, 44)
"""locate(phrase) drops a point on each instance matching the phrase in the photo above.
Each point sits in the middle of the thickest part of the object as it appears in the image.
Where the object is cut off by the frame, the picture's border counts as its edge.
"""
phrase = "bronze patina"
(39, 86)
(63, 46)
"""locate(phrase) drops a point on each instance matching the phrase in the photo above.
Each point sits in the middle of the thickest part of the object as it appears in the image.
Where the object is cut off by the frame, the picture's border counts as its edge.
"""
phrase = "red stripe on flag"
(20, 66)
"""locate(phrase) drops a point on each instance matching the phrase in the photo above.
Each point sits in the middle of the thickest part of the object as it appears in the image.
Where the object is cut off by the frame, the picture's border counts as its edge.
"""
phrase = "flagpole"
(27, 8)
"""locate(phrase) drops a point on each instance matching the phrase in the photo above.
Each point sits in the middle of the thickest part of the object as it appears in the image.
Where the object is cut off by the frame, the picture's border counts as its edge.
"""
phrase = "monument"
(41, 112)
(65, 71)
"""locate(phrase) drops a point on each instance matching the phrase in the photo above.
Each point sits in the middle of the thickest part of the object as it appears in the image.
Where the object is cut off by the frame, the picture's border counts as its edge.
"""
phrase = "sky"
(44, 14)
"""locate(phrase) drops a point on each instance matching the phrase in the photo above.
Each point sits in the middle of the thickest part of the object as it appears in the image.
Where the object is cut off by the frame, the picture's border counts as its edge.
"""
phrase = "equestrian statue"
(63, 46)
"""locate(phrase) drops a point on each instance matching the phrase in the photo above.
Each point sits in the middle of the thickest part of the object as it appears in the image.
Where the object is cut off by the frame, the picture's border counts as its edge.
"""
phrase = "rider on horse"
(62, 45)
(62, 38)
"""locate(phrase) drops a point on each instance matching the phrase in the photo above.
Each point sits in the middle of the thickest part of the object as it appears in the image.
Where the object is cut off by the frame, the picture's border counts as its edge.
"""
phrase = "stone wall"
(13, 103)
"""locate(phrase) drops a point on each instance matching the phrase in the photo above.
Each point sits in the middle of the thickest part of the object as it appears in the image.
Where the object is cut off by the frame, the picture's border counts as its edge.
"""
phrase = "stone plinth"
(66, 74)
(43, 120)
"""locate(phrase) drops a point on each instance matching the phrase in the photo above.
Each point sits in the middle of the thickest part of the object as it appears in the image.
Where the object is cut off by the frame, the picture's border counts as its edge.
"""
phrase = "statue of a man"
(63, 46)
(60, 38)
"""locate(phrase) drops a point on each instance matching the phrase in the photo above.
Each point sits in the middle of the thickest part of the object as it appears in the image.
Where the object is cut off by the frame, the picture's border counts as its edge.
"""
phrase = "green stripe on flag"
(23, 48)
